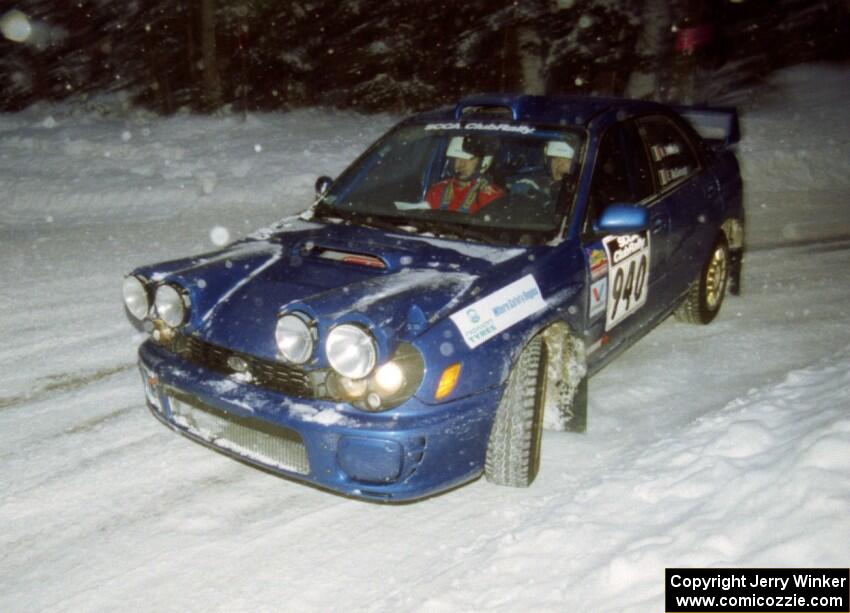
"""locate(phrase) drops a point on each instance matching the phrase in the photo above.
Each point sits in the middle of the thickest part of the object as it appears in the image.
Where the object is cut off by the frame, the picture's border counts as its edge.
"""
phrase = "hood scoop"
(347, 257)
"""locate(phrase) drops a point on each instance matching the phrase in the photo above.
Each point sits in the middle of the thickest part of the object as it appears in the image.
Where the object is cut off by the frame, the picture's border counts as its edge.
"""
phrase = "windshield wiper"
(381, 223)
(360, 219)
(445, 229)
(449, 230)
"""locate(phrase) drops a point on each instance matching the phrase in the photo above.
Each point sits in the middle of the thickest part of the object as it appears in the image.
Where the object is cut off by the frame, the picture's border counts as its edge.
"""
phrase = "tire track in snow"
(62, 383)
(838, 242)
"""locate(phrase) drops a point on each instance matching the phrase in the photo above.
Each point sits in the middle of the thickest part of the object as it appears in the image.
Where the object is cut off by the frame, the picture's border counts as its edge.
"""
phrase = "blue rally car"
(449, 294)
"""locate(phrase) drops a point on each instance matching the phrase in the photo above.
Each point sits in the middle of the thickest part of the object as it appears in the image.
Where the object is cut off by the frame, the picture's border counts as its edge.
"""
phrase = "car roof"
(563, 110)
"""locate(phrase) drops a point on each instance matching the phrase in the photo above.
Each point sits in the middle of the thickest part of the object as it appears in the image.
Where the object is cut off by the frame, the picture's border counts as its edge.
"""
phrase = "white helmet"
(473, 149)
(559, 149)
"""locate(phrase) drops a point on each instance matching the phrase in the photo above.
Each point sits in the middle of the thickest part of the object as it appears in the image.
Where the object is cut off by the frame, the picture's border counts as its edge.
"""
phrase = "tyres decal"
(628, 275)
(485, 318)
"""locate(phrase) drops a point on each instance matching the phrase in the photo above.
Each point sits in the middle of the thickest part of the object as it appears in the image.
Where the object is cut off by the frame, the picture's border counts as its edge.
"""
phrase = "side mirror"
(323, 185)
(622, 218)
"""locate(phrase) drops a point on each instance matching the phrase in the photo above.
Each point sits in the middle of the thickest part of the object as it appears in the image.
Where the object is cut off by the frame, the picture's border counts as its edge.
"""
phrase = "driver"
(468, 190)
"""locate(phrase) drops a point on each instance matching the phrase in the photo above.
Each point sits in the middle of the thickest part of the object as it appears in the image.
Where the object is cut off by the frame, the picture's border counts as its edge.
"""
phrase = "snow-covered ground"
(727, 445)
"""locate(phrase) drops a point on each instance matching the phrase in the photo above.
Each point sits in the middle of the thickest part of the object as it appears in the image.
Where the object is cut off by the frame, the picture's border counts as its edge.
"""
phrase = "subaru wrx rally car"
(449, 294)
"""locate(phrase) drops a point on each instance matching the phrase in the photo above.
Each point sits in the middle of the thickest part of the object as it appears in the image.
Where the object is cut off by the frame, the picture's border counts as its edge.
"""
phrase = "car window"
(640, 171)
(672, 155)
(621, 173)
(393, 172)
(610, 181)
(507, 183)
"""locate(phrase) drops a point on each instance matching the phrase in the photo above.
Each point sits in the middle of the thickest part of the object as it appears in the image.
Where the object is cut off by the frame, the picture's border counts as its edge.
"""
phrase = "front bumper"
(409, 452)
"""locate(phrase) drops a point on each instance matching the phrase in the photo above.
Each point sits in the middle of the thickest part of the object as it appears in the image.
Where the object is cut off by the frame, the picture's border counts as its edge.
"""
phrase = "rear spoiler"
(717, 125)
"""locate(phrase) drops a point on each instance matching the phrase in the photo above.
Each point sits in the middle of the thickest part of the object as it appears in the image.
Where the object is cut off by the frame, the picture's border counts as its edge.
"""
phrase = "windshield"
(512, 184)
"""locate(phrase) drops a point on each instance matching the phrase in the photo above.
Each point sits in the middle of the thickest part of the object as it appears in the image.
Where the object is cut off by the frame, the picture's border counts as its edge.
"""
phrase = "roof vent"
(491, 112)
(488, 106)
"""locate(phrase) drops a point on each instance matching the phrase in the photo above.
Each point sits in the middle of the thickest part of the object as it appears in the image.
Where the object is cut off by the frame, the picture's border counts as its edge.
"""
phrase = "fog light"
(389, 378)
(448, 381)
(370, 460)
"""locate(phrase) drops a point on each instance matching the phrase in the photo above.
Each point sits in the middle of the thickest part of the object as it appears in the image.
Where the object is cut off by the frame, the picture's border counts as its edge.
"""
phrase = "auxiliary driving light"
(171, 305)
(294, 338)
(136, 297)
(351, 351)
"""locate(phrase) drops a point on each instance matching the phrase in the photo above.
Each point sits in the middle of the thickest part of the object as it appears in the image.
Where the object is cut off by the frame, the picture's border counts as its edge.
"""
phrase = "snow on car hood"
(237, 293)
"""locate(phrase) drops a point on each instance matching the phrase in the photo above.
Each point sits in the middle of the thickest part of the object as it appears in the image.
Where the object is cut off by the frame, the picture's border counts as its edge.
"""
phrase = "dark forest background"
(401, 55)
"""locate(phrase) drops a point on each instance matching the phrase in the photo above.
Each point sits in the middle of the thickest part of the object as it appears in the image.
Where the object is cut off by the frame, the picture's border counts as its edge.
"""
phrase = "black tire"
(705, 296)
(513, 450)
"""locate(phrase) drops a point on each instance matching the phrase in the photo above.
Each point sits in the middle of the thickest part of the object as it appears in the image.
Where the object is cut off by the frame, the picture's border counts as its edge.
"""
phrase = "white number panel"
(628, 275)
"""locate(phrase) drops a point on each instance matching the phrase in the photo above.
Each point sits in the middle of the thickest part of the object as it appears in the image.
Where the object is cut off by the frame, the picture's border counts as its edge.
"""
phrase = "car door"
(688, 193)
(621, 270)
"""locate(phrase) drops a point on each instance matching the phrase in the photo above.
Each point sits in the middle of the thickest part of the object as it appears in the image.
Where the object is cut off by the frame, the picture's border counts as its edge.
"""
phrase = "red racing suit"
(462, 196)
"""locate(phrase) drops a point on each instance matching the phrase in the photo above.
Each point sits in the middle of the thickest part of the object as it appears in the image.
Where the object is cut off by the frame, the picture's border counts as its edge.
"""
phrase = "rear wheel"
(705, 296)
(513, 450)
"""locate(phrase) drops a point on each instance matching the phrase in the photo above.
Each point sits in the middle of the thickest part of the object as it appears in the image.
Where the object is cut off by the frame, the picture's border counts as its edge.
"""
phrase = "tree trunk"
(530, 48)
(195, 85)
(212, 80)
(652, 47)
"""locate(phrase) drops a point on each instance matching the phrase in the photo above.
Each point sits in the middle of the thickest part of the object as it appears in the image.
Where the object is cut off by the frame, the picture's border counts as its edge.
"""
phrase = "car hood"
(396, 284)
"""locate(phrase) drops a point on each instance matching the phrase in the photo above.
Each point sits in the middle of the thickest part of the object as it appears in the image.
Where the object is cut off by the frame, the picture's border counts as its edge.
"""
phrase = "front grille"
(264, 373)
(252, 439)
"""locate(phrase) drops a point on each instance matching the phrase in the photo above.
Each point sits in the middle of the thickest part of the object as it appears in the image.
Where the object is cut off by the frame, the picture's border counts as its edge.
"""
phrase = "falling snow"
(720, 446)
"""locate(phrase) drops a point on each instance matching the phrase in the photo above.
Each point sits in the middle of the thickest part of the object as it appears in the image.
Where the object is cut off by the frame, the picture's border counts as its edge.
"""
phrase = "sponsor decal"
(598, 262)
(659, 152)
(498, 311)
(666, 175)
(598, 297)
(628, 275)
(492, 127)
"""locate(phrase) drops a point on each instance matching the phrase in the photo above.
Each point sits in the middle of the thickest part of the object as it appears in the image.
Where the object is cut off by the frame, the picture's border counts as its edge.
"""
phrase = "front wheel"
(513, 451)
(704, 297)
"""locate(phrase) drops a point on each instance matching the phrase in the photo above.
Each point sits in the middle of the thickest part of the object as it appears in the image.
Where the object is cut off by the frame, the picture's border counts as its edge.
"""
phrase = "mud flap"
(565, 399)
(736, 262)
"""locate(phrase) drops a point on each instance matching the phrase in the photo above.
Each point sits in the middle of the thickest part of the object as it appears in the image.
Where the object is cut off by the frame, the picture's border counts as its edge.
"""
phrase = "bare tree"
(211, 77)
(531, 60)
(653, 43)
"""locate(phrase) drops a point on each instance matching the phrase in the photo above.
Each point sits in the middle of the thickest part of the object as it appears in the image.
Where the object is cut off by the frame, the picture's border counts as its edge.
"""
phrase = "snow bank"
(722, 445)
(797, 133)
(61, 167)
(794, 158)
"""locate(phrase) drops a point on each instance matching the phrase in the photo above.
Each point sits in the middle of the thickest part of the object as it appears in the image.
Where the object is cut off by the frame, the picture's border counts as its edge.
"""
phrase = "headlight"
(136, 297)
(351, 351)
(390, 384)
(294, 338)
(389, 378)
(170, 305)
